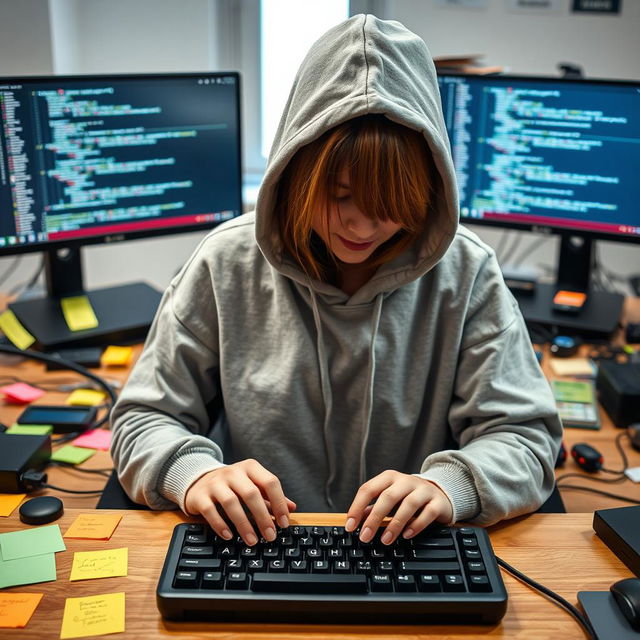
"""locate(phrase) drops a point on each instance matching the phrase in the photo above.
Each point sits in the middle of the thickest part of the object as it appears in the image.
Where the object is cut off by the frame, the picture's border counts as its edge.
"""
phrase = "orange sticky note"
(93, 526)
(17, 608)
(9, 501)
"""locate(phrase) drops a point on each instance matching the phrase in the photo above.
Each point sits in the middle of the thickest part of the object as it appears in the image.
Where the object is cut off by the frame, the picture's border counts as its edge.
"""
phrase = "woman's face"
(350, 235)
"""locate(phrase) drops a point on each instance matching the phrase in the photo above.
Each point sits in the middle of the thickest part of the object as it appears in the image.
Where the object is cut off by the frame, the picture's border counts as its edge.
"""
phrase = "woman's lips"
(355, 246)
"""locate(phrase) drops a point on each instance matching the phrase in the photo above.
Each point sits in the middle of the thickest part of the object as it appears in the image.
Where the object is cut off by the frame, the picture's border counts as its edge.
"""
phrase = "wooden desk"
(559, 550)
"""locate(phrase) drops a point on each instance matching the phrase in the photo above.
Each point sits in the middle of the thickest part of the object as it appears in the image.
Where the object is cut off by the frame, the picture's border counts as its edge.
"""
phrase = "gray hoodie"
(427, 369)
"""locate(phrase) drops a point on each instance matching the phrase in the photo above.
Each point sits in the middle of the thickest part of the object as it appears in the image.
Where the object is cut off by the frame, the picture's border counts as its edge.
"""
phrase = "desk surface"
(559, 550)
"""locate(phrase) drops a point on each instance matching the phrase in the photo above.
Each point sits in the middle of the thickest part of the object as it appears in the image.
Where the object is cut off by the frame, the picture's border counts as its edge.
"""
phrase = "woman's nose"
(356, 222)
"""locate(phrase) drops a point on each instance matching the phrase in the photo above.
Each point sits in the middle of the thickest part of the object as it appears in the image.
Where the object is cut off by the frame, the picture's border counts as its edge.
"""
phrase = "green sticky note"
(27, 570)
(72, 455)
(566, 391)
(31, 542)
(31, 429)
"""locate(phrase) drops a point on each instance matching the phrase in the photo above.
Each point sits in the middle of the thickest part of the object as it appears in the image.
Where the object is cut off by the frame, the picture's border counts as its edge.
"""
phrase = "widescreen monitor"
(95, 159)
(551, 155)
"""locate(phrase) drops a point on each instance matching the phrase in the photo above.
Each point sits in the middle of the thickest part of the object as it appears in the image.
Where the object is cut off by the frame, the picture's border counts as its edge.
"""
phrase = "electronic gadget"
(618, 386)
(101, 159)
(41, 510)
(634, 435)
(63, 418)
(619, 529)
(587, 457)
(19, 453)
(551, 155)
(320, 574)
(84, 356)
(627, 594)
(565, 346)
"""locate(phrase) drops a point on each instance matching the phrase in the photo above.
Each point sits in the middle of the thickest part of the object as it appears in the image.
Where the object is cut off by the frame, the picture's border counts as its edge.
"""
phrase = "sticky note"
(9, 501)
(30, 429)
(21, 393)
(72, 455)
(114, 356)
(78, 313)
(95, 439)
(94, 526)
(85, 397)
(99, 564)
(15, 332)
(31, 542)
(93, 616)
(27, 570)
(16, 609)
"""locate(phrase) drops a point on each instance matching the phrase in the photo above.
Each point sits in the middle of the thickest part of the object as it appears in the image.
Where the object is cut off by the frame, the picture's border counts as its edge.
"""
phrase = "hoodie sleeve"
(161, 420)
(503, 414)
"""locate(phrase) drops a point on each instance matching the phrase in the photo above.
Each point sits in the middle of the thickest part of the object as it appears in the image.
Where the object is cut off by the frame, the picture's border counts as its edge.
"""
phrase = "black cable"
(582, 620)
(71, 467)
(36, 355)
(615, 496)
(621, 474)
(51, 486)
(10, 269)
(590, 477)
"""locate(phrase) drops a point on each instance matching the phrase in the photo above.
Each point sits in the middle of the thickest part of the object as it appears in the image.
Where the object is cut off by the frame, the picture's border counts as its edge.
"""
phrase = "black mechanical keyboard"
(324, 574)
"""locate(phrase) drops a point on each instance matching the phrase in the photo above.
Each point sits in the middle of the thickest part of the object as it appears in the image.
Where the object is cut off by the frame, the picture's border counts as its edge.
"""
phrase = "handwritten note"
(9, 501)
(99, 564)
(93, 526)
(17, 608)
(93, 616)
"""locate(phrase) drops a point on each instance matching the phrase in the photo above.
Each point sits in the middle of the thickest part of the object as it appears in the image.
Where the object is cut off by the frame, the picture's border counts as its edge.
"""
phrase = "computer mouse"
(562, 456)
(41, 510)
(633, 430)
(587, 457)
(626, 593)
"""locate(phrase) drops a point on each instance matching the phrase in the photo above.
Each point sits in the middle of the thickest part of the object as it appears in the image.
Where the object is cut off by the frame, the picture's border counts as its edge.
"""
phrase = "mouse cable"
(623, 455)
(573, 611)
(72, 467)
(36, 355)
(615, 496)
(33, 480)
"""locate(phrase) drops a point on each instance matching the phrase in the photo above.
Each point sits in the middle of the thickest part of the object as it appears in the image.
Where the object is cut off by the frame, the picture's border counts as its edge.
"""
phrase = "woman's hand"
(417, 503)
(231, 488)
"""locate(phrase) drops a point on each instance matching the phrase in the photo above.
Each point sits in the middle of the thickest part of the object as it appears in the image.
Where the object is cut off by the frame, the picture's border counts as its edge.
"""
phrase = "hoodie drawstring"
(368, 398)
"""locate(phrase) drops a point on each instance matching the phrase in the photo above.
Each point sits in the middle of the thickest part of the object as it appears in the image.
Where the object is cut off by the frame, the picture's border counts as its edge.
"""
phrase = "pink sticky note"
(96, 439)
(21, 393)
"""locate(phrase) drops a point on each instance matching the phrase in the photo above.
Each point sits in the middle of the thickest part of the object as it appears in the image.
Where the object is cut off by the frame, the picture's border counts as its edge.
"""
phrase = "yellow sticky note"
(78, 313)
(99, 564)
(85, 397)
(17, 608)
(9, 501)
(93, 526)
(93, 616)
(114, 356)
(15, 332)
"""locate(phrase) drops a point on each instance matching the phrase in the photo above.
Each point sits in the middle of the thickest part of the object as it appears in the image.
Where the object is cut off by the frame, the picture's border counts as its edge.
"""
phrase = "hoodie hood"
(364, 66)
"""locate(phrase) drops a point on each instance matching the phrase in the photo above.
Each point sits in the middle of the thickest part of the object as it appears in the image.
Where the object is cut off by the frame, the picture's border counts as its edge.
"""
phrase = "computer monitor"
(551, 155)
(101, 159)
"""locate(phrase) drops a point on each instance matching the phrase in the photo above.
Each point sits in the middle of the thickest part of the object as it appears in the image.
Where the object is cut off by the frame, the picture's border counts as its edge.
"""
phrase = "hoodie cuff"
(457, 484)
(182, 471)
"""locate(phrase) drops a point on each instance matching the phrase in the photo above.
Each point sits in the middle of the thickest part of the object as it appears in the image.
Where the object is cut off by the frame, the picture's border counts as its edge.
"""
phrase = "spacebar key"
(308, 583)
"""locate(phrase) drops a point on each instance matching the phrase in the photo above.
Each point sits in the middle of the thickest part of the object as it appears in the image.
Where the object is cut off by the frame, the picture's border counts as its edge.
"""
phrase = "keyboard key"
(405, 582)
(200, 552)
(381, 582)
(207, 564)
(478, 582)
(429, 582)
(434, 554)
(186, 580)
(429, 567)
(435, 543)
(476, 567)
(453, 582)
(195, 538)
(212, 580)
(308, 583)
(237, 580)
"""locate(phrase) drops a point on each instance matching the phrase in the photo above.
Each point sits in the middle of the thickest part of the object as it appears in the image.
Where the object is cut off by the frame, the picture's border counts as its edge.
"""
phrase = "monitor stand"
(601, 313)
(124, 312)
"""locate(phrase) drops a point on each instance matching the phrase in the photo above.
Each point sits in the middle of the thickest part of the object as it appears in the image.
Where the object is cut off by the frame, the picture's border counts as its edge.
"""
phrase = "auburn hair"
(391, 175)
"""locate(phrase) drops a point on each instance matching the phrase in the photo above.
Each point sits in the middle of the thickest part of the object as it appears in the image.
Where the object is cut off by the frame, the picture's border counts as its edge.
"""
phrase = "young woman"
(348, 347)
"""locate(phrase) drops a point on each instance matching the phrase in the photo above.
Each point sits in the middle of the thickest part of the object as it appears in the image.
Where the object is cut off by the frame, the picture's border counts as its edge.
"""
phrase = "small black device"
(618, 386)
(619, 529)
(84, 356)
(41, 510)
(19, 453)
(564, 346)
(587, 457)
(561, 458)
(633, 430)
(319, 574)
(63, 418)
(632, 333)
(627, 594)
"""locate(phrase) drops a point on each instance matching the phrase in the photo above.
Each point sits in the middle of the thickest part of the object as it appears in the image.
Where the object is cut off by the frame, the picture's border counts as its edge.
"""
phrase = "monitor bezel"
(113, 238)
(545, 228)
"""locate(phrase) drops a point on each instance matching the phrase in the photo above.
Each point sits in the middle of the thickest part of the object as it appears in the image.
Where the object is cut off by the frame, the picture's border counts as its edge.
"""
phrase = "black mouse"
(626, 593)
(587, 457)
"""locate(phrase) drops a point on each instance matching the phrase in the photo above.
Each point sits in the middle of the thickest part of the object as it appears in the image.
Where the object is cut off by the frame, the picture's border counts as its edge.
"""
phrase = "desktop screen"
(102, 158)
(540, 153)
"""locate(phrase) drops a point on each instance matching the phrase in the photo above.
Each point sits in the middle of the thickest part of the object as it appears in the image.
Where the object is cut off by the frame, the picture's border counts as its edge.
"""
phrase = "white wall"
(100, 36)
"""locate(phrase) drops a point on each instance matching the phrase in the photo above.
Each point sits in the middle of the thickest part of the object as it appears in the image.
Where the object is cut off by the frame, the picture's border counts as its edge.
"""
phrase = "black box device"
(619, 529)
(19, 453)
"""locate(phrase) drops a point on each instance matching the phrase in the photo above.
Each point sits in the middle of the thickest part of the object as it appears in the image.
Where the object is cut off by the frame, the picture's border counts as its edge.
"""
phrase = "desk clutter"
(28, 557)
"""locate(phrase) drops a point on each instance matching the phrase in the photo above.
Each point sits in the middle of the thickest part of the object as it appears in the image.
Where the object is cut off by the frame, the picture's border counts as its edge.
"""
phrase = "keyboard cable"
(573, 611)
